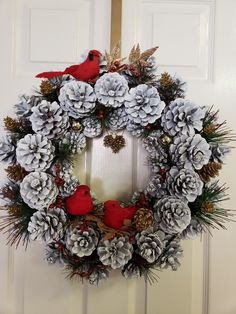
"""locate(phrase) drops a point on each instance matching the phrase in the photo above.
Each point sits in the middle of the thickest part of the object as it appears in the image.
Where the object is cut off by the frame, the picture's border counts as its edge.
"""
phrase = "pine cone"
(76, 141)
(47, 225)
(219, 152)
(156, 187)
(49, 119)
(143, 219)
(193, 230)
(98, 274)
(184, 183)
(150, 244)
(143, 105)
(115, 253)
(190, 151)
(65, 173)
(111, 90)
(80, 241)
(7, 149)
(209, 171)
(77, 98)
(208, 207)
(25, 104)
(182, 116)
(171, 255)
(46, 88)
(135, 129)
(35, 152)
(172, 214)
(16, 173)
(117, 119)
(38, 190)
(92, 127)
(54, 253)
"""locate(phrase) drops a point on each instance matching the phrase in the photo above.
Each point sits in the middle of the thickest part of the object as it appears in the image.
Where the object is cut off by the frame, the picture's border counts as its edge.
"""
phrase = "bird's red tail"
(49, 75)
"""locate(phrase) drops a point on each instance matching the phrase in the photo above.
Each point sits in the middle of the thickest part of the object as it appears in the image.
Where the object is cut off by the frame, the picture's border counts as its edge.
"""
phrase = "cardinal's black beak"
(91, 56)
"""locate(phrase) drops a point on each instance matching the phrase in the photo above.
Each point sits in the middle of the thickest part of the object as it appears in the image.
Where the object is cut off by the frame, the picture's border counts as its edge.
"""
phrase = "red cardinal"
(85, 71)
(80, 203)
(115, 215)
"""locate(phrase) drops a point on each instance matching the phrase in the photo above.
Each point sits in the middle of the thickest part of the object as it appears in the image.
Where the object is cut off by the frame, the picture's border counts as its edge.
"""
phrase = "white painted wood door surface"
(197, 39)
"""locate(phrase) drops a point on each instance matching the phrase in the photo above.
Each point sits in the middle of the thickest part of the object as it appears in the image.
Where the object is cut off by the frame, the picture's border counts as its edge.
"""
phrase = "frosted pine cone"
(150, 244)
(117, 119)
(219, 153)
(131, 271)
(193, 230)
(76, 141)
(7, 149)
(35, 152)
(111, 90)
(47, 225)
(77, 98)
(54, 254)
(25, 104)
(98, 274)
(190, 152)
(115, 253)
(143, 105)
(81, 242)
(48, 119)
(182, 116)
(184, 183)
(156, 187)
(171, 255)
(157, 152)
(135, 129)
(38, 190)
(92, 127)
(172, 214)
(65, 173)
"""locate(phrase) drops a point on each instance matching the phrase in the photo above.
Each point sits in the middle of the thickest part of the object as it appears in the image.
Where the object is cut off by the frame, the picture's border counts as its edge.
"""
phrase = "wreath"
(103, 96)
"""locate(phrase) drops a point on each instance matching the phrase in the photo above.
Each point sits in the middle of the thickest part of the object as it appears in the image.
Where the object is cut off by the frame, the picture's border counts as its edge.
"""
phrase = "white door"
(197, 40)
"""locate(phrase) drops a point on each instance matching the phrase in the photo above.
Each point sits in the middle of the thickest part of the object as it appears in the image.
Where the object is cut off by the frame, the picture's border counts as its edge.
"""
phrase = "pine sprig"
(215, 132)
(169, 87)
(207, 207)
(18, 126)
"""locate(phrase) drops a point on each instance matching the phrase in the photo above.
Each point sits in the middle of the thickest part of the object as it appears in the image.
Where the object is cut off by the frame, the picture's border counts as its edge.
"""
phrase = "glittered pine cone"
(143, 219)
(209, 171)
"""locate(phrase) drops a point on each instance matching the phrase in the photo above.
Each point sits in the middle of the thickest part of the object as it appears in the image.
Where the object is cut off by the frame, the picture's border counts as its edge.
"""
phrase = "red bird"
(85, 71)
(80, 203)
(115, 215)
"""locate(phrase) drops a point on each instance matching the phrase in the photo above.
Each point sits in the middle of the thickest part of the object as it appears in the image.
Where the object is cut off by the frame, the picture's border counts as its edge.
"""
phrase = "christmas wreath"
(103, 95)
